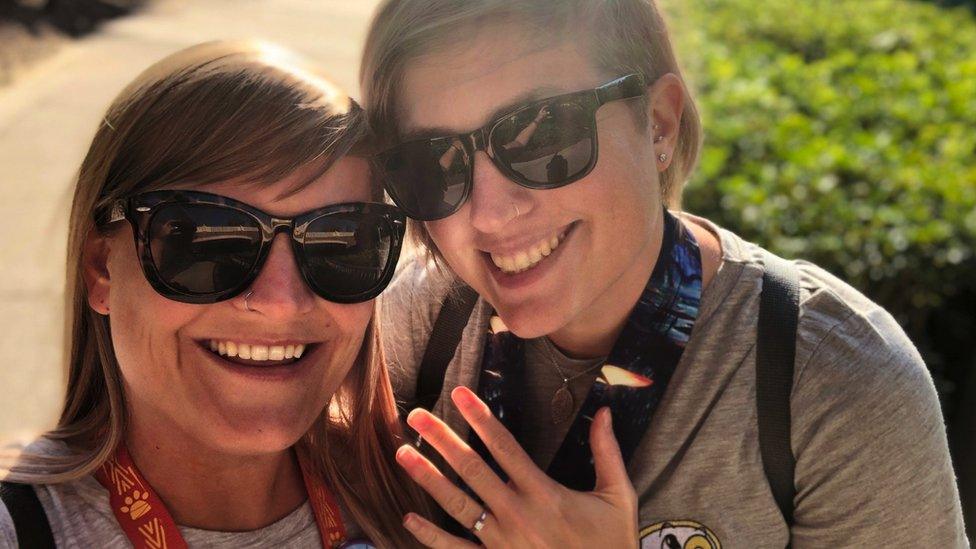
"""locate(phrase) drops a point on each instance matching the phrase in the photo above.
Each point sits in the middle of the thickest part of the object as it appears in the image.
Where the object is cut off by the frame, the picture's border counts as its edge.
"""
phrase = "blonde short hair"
(621, 37)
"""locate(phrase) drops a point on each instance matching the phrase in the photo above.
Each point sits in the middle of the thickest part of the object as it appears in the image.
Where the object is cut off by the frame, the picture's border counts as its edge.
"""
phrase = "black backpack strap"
(443, 342)
(775, 357)
(30, 520)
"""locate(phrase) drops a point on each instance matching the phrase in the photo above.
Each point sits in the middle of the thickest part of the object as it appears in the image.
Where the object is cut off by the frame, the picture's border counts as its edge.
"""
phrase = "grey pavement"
(47, 118)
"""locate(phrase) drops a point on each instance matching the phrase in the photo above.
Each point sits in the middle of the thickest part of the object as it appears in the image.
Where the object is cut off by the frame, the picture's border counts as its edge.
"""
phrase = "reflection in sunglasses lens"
(546, 145)
(202, 249)
(427, 178)
(347, 254)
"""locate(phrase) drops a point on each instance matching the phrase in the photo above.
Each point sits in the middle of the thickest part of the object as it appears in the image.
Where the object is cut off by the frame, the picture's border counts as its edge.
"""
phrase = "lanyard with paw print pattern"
(148, 524)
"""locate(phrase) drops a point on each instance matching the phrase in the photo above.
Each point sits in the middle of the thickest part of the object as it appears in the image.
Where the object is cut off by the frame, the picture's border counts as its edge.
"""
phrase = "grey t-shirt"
(543, 434)
(80, 517)
(873, 467)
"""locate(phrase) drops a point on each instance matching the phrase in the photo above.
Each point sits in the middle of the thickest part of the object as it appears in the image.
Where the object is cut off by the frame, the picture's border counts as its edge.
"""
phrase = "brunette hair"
(621, 37)
(244, 111)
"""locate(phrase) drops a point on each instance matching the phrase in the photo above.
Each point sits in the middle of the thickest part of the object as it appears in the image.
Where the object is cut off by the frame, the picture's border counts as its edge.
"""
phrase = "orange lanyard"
(148, 524)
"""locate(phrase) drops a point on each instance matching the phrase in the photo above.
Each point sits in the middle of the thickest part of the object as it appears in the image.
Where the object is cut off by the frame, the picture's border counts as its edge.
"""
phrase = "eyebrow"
(530, 96)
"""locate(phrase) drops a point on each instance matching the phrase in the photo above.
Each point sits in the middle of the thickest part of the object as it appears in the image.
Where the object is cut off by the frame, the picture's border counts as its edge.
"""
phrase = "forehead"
(347, 180)
(459, 87)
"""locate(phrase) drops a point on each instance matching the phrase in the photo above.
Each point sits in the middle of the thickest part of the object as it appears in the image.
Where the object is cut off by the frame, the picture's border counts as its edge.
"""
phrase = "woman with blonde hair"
(225, 386)
(541, 148)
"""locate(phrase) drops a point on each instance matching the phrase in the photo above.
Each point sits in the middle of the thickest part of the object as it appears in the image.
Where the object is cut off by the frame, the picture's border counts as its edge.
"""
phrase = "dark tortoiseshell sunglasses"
(197, 247)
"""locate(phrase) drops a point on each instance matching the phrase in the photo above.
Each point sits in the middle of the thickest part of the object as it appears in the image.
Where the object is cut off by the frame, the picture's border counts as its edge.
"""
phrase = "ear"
(94, 267)
(667, 103)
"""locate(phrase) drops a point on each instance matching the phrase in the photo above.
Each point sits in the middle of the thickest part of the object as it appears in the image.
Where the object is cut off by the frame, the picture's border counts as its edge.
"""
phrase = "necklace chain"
(552, 358)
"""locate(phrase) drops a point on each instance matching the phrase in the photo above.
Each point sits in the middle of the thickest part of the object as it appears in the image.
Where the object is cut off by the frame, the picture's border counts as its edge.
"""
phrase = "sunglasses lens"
(546, 146)
(427, 179)
(346, 257)
(200, 249)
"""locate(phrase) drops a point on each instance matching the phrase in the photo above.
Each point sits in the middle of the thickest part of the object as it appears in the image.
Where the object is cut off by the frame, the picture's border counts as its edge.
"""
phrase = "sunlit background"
(840, 131)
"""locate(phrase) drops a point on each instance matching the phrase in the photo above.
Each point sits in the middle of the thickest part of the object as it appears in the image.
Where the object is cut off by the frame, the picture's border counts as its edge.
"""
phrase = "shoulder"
(35, 459)
(839, 330)
(415, 293)
(406, 314)
(851, 354)
(8, 535)
(845, 333)
(867, 428)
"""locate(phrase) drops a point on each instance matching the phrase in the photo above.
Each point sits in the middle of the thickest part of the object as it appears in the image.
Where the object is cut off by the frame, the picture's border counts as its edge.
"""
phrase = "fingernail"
(463, 397)
(406, 454)
(418, 419)
(409, 521)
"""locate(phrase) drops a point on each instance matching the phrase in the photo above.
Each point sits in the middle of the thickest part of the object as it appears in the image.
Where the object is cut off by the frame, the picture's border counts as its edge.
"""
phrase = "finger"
(462, 507)
(462, 458)
(611, 473)
(430, 535)
(509, 454)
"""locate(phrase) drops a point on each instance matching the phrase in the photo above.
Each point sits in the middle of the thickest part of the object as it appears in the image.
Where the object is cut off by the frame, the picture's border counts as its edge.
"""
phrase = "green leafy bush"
(844, 132)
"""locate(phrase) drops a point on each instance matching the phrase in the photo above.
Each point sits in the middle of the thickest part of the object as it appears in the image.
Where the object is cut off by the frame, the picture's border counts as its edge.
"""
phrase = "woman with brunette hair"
(541, 148)
(225, 383)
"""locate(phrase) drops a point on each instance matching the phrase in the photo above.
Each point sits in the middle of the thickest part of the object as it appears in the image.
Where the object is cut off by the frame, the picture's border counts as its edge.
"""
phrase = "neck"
(207, 489)
(594, 332)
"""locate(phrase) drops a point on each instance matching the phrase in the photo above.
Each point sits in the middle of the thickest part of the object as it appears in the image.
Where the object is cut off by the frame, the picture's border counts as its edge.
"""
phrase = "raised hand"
(531, 509)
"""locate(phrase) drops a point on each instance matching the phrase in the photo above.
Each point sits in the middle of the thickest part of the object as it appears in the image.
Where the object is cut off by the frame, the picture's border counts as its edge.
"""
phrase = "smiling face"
(553, 262)
(260, 401)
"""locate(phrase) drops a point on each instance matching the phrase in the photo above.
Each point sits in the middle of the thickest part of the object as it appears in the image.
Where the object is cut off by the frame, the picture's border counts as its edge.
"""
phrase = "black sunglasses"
(541, 145)
(198, 247)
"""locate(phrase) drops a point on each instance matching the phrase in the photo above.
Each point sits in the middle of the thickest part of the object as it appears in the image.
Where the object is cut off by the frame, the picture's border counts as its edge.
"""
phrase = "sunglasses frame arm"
(625, 87)
(117, 212)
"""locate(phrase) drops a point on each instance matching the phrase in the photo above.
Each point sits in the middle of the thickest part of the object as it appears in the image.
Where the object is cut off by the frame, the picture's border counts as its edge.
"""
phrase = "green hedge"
(843, 132)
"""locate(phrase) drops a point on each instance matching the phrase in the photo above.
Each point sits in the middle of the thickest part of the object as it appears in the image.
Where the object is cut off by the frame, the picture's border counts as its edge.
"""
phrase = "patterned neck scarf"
(634, 377)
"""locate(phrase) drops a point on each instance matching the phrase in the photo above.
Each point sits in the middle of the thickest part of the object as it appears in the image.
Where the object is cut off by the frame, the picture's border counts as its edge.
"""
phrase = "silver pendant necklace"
(563, 404)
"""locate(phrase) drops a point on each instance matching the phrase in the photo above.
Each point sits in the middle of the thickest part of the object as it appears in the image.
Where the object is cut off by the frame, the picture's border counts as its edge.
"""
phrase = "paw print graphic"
(136, 505)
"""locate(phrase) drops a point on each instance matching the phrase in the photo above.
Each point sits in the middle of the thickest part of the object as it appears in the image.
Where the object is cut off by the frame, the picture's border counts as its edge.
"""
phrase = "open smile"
(259, 355)
(530, 257)
(527, 270)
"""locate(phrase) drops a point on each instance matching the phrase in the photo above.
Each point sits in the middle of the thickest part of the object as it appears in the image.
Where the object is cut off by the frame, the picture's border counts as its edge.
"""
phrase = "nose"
(495, 199)
(279, 292)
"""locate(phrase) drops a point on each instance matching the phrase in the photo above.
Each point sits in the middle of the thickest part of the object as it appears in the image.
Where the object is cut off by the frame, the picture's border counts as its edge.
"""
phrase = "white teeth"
(535, 255)
(256, 352)
(276, 352)
(259, 352)
(528, 258)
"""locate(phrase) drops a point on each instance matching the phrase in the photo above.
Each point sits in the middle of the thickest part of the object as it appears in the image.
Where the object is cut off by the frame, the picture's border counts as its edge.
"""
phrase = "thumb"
(611, 474)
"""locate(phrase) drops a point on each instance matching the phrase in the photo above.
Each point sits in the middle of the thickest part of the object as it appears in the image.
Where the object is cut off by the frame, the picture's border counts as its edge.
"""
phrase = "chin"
(528, 321)
(249, 435)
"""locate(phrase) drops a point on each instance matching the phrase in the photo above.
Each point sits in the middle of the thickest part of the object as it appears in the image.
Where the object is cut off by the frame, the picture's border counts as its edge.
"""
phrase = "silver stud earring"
(663, 157)
(659, 138)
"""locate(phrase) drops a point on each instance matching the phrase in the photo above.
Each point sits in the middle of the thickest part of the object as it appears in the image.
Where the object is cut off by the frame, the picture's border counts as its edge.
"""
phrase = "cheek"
(351, 321)
(449, 236)
(628, 173)
(144, 324)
